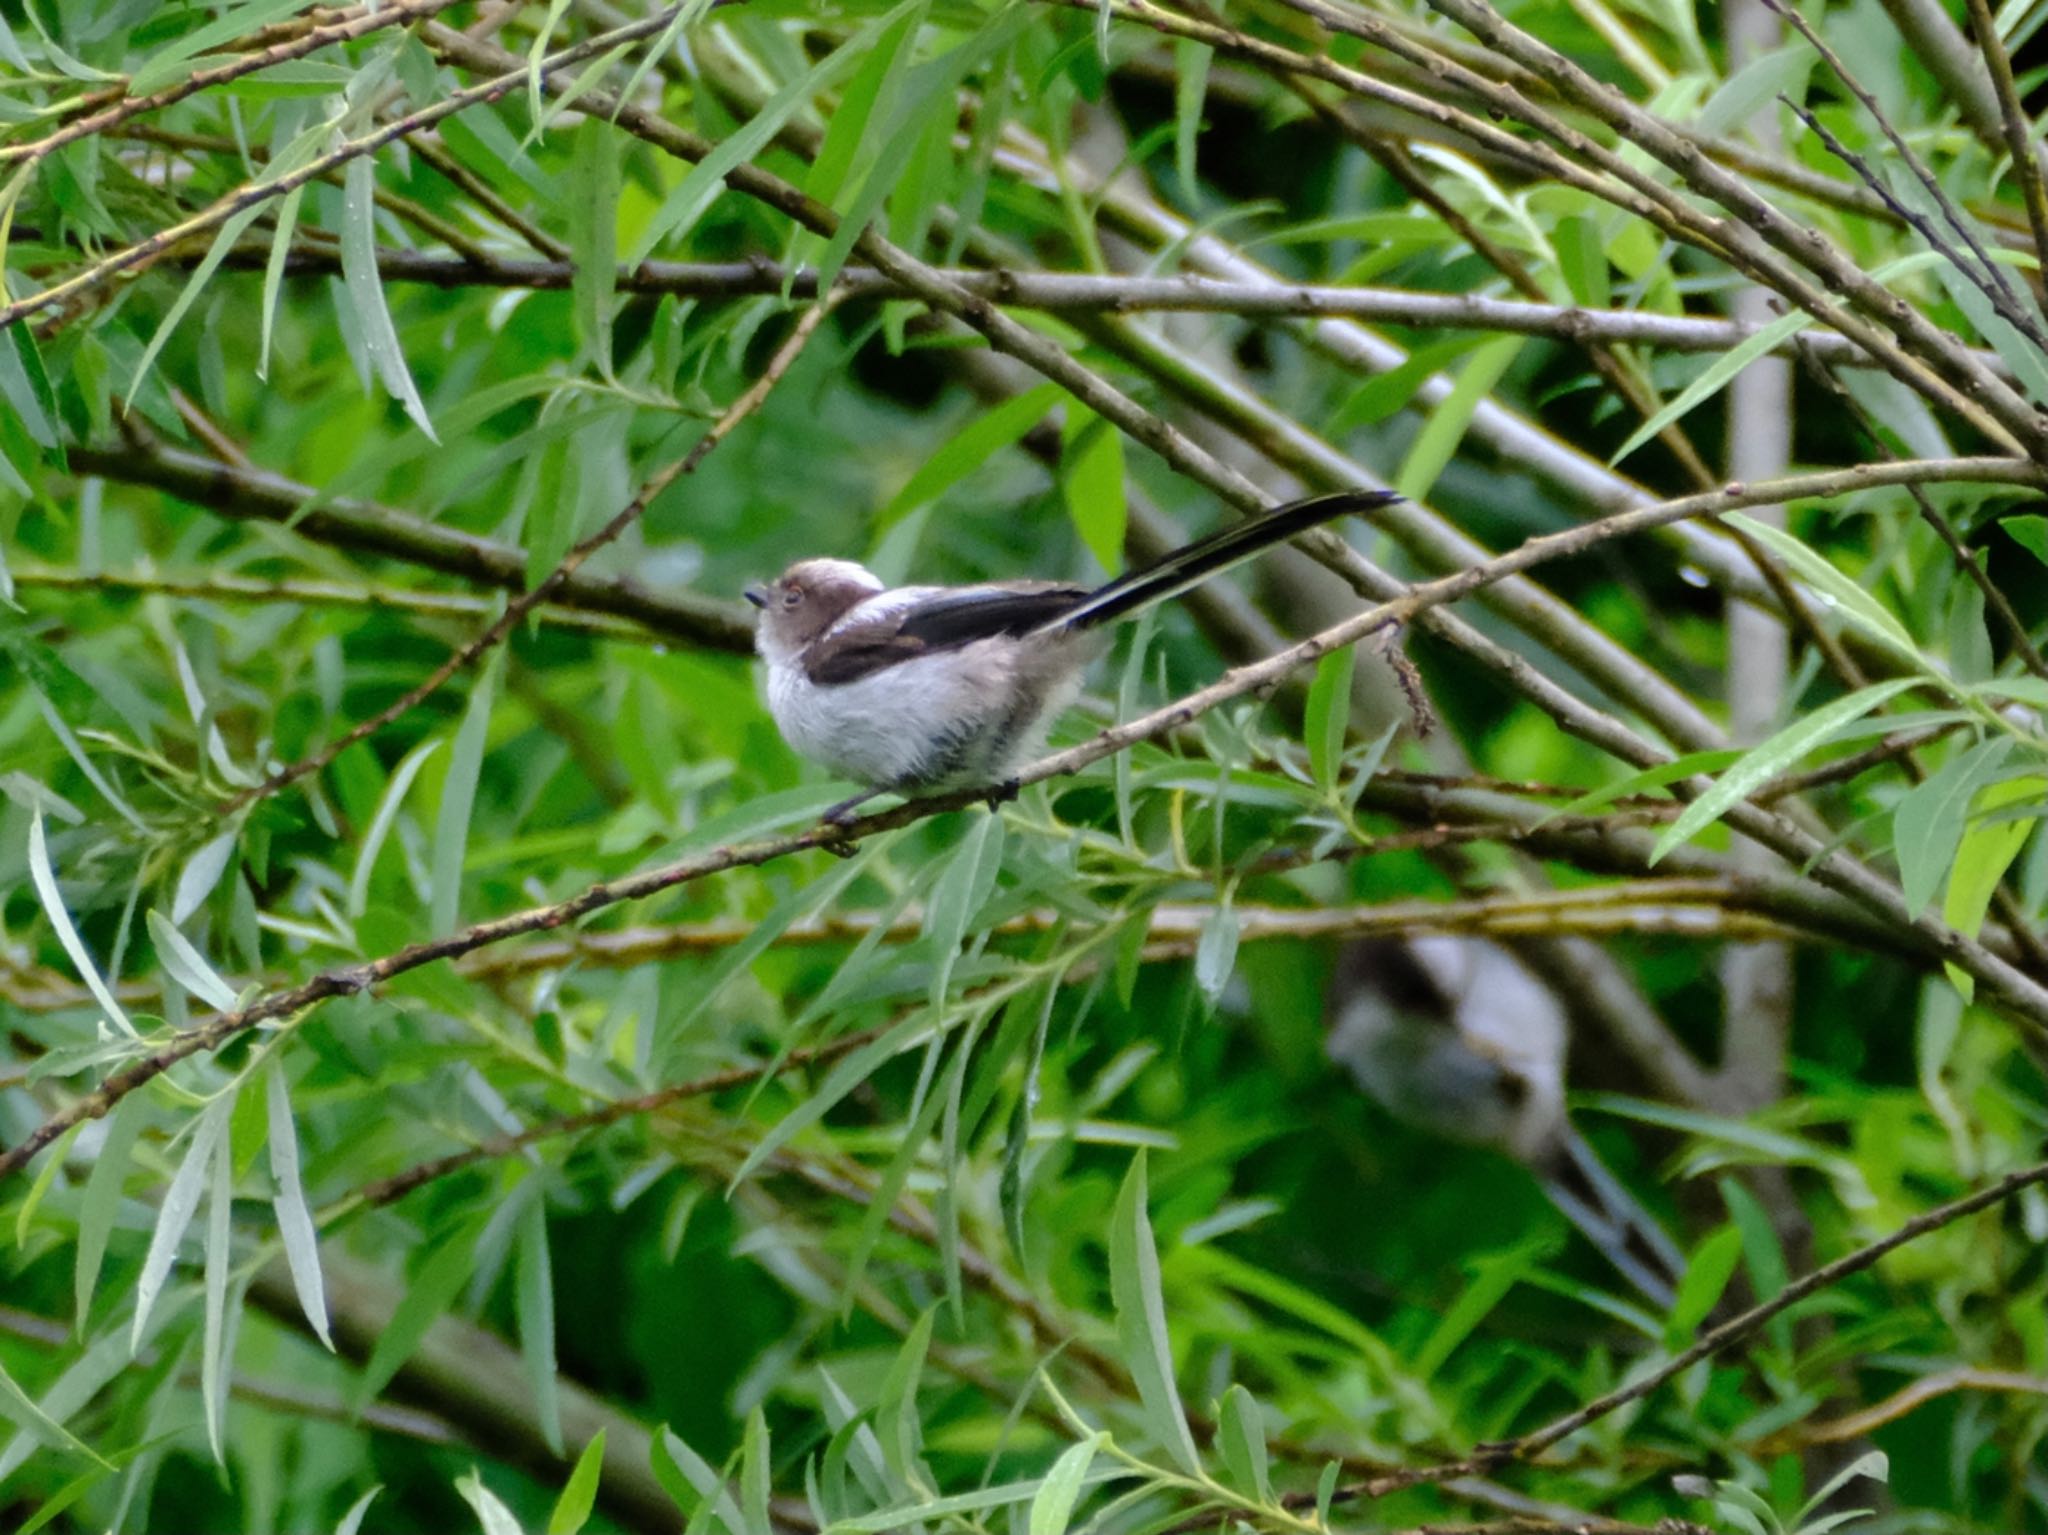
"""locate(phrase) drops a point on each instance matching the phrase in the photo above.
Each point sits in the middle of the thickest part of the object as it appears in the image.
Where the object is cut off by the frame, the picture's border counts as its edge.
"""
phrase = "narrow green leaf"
(273, 281)
(841, 1080)
(1873, 1464)
(543, 35)
(1766, 760)
(53, 1164)
(19, 1406)
(593, 234)
(187, 966)
(873, 86)
(1438, 440)
(1242, 1435)
(1716, 378)
(230, 233)
(962, 888)
(1141, 1319)
(1053, 1504)
(1037, 1008)
(1987, 851)
(1216, 950)
(1706, 1279)
(1658, 777)
(202, 872)
(799, 905)
(926, 183)
(702, 1480)
(694, 194)
(44, 878)
(214, 1345)
(352, 1521)
(1852, 601)
(365, 290)
(1329, 714)
(294, 1220)
(896, 1420)
(432, 1289)
(658, 50)
(26, 387)
(579, 1494)
(754, 1471)
(889, 1187)
(491, 1513)
(458, 797)
(1326, 1492)
(181, 1202)
(1927, 825)
(935, 1509)
(77, 754)
(102, 1200)
(937, 94)
(536, 1311)
(1491, 1281)
(1756, 88)
(1190, 88)
(2030, 532)
(380, 825)
(1092, 482)
(1762, 1255)
(969, 448)
(1582, 257)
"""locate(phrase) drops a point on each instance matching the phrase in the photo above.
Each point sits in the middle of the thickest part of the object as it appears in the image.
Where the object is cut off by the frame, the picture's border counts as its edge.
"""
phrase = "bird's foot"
(1001, 794)
(841, 814)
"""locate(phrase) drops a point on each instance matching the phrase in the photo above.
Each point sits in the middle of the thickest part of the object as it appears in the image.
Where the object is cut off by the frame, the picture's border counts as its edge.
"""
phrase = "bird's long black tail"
(1595, 1201)
(1219, 551)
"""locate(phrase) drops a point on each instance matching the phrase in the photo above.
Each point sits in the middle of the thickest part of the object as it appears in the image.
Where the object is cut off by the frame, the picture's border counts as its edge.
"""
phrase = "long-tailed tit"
(919, 688)
(1454, 1036)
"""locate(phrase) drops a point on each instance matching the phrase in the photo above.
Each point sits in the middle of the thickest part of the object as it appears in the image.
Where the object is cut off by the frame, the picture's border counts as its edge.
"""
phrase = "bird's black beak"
(757, 595)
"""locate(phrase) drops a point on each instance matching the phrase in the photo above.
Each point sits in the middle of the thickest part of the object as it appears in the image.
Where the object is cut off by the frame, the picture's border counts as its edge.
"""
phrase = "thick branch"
(364, 525)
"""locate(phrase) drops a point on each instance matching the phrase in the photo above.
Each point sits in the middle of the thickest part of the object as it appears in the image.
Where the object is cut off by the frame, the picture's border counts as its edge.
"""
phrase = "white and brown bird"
(921, 688)
(1454, 1036)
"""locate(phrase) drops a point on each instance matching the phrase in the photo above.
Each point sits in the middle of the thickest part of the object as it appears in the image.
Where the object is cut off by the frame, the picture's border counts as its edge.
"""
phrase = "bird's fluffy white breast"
(880, 729)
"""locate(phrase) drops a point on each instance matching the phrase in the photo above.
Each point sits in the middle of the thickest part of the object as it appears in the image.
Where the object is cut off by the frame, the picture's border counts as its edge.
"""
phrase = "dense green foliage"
(995, 1174)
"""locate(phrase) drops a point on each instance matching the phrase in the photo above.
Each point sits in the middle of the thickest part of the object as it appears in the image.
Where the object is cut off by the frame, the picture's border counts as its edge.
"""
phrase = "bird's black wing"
(944, 621)
(979, 613)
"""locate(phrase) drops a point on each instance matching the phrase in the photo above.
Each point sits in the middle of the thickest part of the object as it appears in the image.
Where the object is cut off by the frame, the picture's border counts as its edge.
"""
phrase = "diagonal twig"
(2019, 133)
(1491, 1457)
(1986, 276)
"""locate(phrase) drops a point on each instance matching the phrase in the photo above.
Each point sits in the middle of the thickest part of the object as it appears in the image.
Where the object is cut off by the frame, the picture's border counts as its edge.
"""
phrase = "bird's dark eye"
(791, 599)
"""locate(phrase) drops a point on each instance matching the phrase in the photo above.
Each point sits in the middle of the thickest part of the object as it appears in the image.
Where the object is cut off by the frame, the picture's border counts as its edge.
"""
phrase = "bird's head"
(806, 600)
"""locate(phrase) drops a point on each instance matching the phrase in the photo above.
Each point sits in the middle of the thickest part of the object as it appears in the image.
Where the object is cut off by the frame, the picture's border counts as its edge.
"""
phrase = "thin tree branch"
(346, 522)
(1084, 292)
(1689, 905)
(1717, 1340)
(2019, 131)
(334, 594)
(1986, 275)
(1856, 1425)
